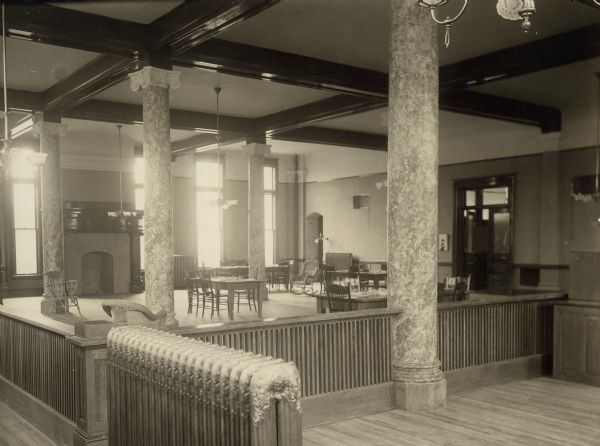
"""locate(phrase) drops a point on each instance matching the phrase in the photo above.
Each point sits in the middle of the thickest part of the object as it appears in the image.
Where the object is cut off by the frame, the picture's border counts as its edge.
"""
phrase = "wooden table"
(358, 301)
(232, 284)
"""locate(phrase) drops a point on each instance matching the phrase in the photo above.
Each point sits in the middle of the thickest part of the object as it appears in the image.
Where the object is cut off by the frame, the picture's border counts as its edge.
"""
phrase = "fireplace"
(97, 273)
(100, 261)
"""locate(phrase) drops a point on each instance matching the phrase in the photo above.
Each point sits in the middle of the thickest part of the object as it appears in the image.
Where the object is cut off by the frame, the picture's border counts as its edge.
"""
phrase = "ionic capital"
(154, 77)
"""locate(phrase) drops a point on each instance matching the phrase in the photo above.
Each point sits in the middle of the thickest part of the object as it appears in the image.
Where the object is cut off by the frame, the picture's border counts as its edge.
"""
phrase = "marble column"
(256, 208)
(154, 83)
(53, 239)
(413, 207)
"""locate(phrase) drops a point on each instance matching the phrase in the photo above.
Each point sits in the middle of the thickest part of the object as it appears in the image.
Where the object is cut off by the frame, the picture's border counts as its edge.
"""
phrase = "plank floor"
(15, 431)
(541, 411)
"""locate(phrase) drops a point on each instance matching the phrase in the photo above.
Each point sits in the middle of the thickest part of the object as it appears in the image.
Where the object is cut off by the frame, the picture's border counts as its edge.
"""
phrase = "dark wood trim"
(495, 373)
(94, 77)
(277, 66)
(472, 103)
(64, 27)
(206, 141)
(445, 264)
(542, 54)
(344, 138)
(25, 101)
(196, 21)
(107, 111)
(589, 3)
(541, 266)
(334, 107)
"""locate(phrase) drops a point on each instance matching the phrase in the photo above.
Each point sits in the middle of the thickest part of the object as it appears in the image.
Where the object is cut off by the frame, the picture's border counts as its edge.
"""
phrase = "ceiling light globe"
(431, 3)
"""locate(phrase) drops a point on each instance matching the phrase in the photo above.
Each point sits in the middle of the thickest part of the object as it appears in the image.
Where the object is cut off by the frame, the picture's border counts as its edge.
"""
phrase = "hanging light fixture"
(7, 152)
(121, 213)
(586, 188)
(507, 9)
(223, 204)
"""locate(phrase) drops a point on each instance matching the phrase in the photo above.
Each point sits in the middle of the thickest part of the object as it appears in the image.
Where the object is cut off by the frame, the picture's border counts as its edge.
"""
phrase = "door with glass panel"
(483, 233)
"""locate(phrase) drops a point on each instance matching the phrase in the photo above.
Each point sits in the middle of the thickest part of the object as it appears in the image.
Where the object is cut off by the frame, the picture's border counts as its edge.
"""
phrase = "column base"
(421, 397)
(171, 322)
(419, 387)
(46, 307)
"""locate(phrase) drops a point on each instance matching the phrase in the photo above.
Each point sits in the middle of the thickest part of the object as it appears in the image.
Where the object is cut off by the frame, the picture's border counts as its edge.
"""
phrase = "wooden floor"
(15, 431)
(542, 411)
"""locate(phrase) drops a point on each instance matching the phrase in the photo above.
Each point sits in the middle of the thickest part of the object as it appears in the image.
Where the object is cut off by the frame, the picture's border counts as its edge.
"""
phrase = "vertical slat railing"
(43, 363)
(333, 353)
(472, 335)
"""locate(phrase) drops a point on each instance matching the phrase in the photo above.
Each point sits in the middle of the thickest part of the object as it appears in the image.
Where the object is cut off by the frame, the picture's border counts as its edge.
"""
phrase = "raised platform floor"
(540, 411)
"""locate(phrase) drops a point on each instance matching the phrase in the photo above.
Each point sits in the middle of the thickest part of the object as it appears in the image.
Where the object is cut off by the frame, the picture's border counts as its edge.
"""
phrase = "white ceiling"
(36, 66)
(242, 97)
(133, 11)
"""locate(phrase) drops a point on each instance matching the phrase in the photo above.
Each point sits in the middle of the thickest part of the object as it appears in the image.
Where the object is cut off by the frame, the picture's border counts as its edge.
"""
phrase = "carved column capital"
(257, 149)
(48, 128)
(154, 77)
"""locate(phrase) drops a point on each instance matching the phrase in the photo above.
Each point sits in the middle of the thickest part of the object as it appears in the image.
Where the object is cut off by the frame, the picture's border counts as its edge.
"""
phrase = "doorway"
(313, 242)
(483, 232)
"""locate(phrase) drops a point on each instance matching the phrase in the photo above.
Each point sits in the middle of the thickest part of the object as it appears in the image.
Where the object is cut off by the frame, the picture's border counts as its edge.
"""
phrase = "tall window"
(270, 178)
(208, 213)
(25, 217)
(138, 179)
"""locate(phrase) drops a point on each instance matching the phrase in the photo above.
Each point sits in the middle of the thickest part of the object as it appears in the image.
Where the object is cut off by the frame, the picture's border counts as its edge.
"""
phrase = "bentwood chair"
(195, 293)
(338, 297)
(217, 300)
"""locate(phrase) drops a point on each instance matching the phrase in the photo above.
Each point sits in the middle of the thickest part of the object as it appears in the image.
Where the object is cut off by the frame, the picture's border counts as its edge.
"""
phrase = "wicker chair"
(132, 313)
(338, 297)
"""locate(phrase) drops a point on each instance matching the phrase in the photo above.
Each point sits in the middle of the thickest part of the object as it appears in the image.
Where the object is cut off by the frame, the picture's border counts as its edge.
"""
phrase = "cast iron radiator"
(174, 391)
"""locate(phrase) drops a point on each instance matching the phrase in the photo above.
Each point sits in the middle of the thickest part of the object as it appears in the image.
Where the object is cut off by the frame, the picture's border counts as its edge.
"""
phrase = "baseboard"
(41, 416)
(502, 372)
(335, 406)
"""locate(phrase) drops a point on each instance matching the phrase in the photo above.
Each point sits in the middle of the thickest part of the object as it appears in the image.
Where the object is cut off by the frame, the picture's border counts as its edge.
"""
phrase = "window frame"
(12, 242)
(219, 189)
(272, 163)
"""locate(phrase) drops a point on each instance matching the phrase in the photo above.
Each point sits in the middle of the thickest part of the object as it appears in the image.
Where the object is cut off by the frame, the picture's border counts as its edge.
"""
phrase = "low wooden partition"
(344, 359)
(484, 343)
(55, 379)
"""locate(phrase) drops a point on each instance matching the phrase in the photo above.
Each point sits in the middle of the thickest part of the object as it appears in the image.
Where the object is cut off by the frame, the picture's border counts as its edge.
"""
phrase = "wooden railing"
(476, 334)
(59, 369)
(42, 363)
(333, 352)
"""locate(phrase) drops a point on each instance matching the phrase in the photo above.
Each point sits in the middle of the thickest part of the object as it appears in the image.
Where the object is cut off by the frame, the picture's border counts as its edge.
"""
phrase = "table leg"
(230, 303)
(259, 292)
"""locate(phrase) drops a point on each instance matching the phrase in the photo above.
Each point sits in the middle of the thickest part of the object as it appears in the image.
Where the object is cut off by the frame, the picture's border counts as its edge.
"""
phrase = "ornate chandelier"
(507, 9)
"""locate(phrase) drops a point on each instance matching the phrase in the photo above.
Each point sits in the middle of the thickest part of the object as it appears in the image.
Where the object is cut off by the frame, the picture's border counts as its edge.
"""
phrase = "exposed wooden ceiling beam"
(196, 21)
(277, 66)
(334, 107)
(548, 119)
(106, 111)
(206, 141)
(26, 101)
(101, 73)
(64, 27)
(334, 137)
(561, 49)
